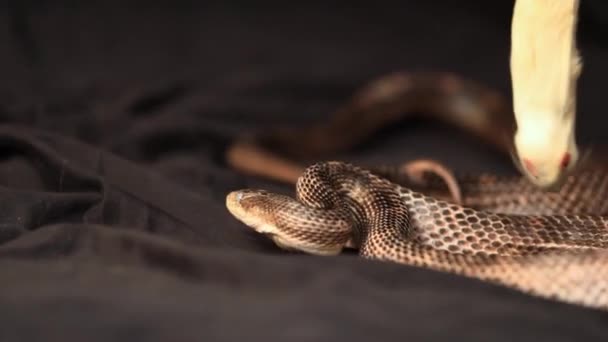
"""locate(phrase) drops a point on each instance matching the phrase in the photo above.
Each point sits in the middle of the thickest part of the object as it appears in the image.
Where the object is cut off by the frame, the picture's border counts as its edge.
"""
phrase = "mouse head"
(546, 149)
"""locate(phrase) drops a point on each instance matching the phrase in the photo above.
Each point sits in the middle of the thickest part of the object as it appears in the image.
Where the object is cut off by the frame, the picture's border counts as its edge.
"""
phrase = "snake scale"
(504, 230)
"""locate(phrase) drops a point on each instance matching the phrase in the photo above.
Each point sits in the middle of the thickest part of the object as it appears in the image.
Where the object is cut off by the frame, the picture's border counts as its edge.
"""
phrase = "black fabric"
(112, 181)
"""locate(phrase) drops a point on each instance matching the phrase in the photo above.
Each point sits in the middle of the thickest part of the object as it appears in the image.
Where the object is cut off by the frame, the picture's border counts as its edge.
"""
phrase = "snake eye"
(565, 160)
(529, 166)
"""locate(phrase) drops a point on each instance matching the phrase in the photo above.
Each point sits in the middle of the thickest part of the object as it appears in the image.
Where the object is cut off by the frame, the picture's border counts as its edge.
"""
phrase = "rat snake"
(280, 153)
(552, 244)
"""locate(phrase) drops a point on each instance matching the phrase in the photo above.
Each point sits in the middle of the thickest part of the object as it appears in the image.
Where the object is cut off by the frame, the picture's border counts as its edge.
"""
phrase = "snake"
(550, 245)
(279, 152)
(500, 229)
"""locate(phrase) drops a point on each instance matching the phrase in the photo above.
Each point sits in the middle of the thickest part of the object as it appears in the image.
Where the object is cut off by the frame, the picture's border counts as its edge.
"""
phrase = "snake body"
(552, 245)
(505, 230)
(280, 154)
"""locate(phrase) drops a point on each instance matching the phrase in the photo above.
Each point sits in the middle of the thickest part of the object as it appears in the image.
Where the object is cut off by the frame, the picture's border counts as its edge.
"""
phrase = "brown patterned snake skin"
(552, 244)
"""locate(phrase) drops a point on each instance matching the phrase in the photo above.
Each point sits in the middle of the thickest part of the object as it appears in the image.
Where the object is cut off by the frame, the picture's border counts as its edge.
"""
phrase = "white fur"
(545, 66)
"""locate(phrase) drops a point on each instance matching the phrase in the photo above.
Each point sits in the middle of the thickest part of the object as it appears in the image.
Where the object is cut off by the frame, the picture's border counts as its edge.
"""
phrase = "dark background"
(115, 116)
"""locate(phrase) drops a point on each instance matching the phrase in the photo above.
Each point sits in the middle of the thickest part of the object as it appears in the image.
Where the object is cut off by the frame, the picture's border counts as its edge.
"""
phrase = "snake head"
(254, 208)
(290, 224)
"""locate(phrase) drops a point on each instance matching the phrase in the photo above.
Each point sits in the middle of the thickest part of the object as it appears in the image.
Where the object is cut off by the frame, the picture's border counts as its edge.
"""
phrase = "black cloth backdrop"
(112, 182)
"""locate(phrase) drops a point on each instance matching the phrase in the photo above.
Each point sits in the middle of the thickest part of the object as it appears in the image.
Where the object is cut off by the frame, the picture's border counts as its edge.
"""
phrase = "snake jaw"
(252, 220)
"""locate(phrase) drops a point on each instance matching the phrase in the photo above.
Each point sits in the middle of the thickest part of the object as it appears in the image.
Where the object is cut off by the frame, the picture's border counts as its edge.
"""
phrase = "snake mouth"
(248, 217)
(235, 207)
